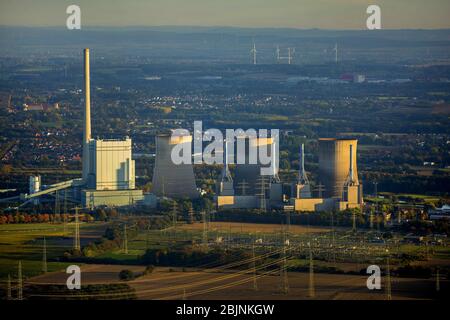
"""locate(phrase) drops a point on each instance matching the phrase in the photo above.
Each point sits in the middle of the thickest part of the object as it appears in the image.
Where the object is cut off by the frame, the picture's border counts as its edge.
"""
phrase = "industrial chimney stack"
(87, 116)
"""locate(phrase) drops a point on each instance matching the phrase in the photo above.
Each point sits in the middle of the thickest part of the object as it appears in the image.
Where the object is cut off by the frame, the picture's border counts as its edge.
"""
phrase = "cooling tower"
(248, 176)
(169, 179)
(334, 165)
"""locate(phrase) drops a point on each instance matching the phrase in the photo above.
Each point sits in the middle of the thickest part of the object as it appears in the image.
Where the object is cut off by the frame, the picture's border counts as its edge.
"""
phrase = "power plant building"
(108, 168)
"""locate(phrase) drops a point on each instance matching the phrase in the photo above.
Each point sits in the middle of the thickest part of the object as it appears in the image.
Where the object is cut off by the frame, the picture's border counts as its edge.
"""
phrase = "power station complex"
(108, 175)
(337, 171)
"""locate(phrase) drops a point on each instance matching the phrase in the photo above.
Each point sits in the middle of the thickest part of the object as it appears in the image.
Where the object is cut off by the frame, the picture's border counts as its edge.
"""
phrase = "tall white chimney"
(87, 116)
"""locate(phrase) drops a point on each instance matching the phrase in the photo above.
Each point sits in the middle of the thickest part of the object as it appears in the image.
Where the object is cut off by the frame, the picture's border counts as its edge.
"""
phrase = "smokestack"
(351, 164)
(302, 177)
(87, 115)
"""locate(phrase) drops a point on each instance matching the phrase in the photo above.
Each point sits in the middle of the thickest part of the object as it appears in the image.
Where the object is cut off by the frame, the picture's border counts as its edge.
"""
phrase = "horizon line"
(220, 27)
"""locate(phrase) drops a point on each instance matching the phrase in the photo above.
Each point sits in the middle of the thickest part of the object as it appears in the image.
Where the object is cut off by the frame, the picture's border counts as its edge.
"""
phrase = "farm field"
(24, 242)
(174, 283)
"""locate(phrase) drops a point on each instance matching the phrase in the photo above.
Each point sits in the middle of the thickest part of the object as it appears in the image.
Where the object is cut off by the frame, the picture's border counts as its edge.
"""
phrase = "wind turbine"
(291, 52)
(253, 51)
(335, 49)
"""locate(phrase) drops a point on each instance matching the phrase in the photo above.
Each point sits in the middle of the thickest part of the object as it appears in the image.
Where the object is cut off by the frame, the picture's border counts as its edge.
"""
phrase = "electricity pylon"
(283, 268)
(353, 221)
(205, 231)
(243, 187)
(9, 294)
(174, 215)
(438, 285)
(44, 257)
(65, 214)
(255, 283)
(19, 282)
(57, 206)
(371, 220)
(333, 239)
(191, 214)
(125, 240)
(262, 193)
(388, 276)
(76, 239)
(147, 236)
(312, 291)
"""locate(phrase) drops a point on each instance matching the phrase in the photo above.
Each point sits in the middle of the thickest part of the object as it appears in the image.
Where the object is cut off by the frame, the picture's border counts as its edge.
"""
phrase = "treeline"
(189, 256)
(113, 237)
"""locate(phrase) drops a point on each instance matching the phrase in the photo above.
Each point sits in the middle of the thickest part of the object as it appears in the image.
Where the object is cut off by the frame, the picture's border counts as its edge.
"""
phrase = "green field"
(24, 242)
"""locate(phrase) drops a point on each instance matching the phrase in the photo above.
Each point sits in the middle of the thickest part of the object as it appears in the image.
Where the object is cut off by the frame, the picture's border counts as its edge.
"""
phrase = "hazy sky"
(327, 14)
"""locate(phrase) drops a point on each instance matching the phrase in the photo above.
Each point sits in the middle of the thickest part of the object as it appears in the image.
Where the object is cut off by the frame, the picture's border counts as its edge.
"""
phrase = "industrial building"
(249, 189)
(339, 185)
(169, 179)
(108, 169)
(108, 177)
(339, 188)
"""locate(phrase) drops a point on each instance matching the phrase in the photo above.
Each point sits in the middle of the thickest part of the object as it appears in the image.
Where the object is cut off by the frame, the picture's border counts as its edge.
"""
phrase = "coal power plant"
(108, 173)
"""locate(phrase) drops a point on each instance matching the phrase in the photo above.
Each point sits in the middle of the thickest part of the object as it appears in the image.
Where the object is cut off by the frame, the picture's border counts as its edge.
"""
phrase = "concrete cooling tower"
(169, 179)
(248, 176)
(334, 165)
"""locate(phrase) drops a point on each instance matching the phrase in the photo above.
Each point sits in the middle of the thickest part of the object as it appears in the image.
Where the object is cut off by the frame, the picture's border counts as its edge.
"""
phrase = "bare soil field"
(174, 283)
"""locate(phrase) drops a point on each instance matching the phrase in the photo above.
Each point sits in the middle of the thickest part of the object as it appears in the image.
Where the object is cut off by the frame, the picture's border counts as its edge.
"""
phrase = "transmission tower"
(57, 206)
(174, 214)
(76, 239)
(354, 221)
(191, 214)
(261, 184)
(283, 268)
(44, 256)
(125, 239)
(255, 283)
(371, 220)
(205, 231)
(388, 276)
(147, 236)
(243, 187)
(438, 284)
(312, 292)
(65, 214)
(320, 189)
(288, 221)
(19, 282)
(9, 293)
(333, 239)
